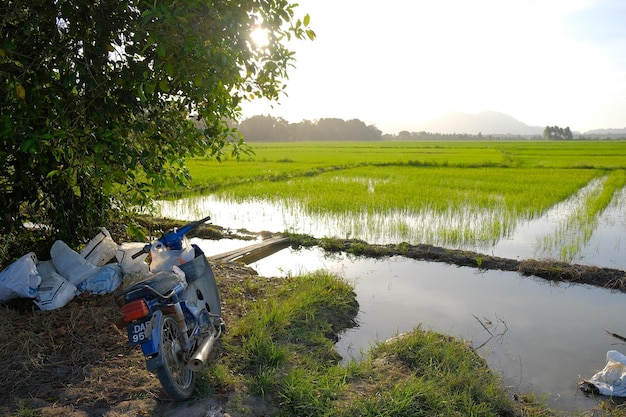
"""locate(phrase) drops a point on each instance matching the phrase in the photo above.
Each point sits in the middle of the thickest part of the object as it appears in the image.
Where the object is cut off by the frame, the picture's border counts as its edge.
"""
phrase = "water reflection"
(547, 337)
(522, 240)
(541, 337)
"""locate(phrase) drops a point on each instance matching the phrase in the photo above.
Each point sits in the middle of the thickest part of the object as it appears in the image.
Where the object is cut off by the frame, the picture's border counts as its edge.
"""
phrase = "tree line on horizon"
(266, 128)
(276, 129)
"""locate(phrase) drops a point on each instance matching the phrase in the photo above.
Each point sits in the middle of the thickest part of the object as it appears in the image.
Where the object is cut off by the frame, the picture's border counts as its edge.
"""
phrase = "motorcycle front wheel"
(177, 380)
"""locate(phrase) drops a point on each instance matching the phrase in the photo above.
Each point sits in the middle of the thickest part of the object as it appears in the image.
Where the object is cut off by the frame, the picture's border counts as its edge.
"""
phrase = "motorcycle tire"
(176, 379)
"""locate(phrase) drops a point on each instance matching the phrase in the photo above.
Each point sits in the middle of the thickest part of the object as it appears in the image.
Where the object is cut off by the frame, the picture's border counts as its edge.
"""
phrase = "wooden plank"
(253, 252)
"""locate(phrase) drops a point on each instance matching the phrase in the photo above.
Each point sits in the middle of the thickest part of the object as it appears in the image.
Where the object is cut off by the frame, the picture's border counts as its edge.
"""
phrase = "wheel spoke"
(175, 377)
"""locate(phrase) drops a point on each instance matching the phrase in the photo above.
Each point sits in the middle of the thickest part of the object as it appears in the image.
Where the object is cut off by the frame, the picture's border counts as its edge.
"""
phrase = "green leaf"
(307, 20)
(164, 86)
(150, 87)
(30, 145)
(169, 69)
(20, 91)
(140, 92)
(53, 173)
(161, 50)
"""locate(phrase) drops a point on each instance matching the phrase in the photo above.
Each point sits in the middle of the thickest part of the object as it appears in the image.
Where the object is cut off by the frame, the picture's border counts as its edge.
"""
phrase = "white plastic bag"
(100, 249)
(611, 380)
(54, 291)
(164, 259)
(124, 255)
(70, 264)
(20, 279)
(106, 280)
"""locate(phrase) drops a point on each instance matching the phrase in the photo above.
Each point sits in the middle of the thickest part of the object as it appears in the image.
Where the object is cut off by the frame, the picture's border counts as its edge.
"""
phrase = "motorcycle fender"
(151, 347)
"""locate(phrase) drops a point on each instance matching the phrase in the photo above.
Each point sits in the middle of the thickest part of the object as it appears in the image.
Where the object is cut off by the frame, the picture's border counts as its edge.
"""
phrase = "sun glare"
(260, 37)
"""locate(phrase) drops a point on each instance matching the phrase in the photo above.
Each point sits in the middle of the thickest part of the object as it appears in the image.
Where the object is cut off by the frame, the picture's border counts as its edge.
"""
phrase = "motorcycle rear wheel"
(177, 380)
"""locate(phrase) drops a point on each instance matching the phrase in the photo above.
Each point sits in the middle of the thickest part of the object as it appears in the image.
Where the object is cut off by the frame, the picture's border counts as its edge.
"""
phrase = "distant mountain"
(607, 132)
(487, 123)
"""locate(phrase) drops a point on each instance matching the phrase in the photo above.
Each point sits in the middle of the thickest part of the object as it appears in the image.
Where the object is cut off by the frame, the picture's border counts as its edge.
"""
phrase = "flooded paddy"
(542, 337)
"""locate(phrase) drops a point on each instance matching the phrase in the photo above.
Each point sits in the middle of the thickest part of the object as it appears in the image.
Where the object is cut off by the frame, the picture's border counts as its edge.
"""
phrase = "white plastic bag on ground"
(70, 264)
(611, 380)
(20, 279)
(124, 254)
(100, 249)
(106, 280)
(54, 291)
(164, 259)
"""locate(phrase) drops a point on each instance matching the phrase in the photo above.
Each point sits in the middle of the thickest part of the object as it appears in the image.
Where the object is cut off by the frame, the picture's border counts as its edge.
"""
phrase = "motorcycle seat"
(161, 282)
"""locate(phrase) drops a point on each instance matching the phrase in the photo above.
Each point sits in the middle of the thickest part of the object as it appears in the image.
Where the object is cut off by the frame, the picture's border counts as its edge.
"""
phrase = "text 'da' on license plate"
(137, 332)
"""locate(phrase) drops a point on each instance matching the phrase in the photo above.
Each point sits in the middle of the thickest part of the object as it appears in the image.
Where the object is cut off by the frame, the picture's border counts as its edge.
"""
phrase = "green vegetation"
(281, 351)
(463, 194)
(103, 101)
(557, 133)
(576, 229)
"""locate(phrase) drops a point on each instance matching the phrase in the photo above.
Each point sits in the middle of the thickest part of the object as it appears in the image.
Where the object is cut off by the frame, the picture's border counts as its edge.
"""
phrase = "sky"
(398, 63)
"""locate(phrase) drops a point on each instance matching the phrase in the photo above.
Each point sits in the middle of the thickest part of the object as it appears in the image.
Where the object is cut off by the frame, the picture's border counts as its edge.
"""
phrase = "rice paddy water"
(516, 200)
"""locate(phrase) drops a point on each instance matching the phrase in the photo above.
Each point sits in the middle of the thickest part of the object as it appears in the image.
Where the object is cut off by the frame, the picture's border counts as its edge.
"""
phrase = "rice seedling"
(585, 208)
(449, 206)
(459, 194)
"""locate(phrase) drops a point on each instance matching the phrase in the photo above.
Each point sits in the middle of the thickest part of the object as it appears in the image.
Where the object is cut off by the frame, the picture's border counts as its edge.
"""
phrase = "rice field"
(457, 194)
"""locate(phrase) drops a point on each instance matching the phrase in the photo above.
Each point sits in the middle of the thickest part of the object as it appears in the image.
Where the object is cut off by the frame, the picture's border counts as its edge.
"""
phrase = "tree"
(97, 98)
(557, 133)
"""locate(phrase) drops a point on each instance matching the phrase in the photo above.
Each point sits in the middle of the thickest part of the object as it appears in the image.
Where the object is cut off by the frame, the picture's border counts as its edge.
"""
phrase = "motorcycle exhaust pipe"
(199, 358)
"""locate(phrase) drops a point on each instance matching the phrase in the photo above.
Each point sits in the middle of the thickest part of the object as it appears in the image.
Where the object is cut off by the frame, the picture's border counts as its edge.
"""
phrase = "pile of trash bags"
(98, 269)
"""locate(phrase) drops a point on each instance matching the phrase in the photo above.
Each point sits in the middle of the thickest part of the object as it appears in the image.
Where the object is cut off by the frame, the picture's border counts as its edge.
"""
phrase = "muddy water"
(541, 337)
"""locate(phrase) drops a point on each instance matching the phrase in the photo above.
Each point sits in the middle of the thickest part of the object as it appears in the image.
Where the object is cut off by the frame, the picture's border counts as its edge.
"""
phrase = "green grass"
(281, 161)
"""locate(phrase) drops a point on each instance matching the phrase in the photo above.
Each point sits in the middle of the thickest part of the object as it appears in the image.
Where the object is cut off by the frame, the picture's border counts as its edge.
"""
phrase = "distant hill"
(487, 123)
(607, 132)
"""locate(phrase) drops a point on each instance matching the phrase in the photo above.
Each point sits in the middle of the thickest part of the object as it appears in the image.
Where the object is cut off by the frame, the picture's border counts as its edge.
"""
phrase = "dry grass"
(582, 274)
(72, 356)
(75, 362)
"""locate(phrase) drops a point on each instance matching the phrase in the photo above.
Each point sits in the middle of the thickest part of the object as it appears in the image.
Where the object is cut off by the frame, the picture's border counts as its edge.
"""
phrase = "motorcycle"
(175, 313)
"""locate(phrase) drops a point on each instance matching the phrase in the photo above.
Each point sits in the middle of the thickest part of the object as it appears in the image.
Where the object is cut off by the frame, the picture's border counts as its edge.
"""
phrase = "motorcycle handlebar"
(173, 239)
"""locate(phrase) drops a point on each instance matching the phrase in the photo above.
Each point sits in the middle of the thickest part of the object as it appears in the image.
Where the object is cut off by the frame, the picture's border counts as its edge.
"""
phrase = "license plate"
(137, 333)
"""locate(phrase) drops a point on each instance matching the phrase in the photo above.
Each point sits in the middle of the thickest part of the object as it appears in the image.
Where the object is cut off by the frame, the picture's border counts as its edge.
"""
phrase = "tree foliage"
(97, 98)
(557, 133)
(275, 129)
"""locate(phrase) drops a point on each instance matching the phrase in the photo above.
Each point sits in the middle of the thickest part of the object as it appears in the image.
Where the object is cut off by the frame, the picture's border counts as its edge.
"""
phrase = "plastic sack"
(164, 259)
(100, 249)
(70, 264)
(20, 279)
(107, 279)
(611, 380)
(124, 256)
(54, 291)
